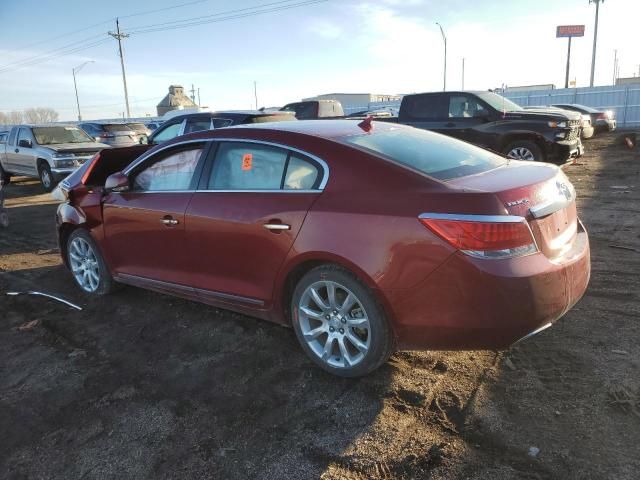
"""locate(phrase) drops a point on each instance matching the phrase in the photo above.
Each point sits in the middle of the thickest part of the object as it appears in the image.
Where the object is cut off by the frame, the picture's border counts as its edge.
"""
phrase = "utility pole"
(255, 93)
(615, 66)
(595, 40)
(462, 73)
(119, 36)
(199, 97)
(444, 39)
(566, 78)
(75, 85)
(193, 94)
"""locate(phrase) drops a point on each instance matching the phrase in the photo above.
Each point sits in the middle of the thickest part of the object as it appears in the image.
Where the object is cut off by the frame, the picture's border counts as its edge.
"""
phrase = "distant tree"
(14, 117)
(40, 115)
(3, 118)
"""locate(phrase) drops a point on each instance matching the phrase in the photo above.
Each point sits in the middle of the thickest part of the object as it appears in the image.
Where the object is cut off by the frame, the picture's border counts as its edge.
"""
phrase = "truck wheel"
(46, 177)
(339, 323)
(5, 177)
(524, 150)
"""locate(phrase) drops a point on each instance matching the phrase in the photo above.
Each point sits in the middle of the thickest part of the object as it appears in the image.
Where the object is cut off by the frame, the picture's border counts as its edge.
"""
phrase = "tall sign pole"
(569, 31)
(444, 39)
(119, 36)
(595, 40)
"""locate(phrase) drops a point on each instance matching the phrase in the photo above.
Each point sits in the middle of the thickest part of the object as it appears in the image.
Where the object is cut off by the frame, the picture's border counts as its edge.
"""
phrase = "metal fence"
(624, 100)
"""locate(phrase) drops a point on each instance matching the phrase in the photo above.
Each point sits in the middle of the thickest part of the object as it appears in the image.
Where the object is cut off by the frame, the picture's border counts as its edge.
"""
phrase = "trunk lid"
(539, 192)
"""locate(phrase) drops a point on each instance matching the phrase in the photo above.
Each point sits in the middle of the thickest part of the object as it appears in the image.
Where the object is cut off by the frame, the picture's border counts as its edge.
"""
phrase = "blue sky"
(383, 46)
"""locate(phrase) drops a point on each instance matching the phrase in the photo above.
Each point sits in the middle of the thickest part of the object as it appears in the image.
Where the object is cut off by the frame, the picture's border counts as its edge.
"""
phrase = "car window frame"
(319, 185)
(147, 160)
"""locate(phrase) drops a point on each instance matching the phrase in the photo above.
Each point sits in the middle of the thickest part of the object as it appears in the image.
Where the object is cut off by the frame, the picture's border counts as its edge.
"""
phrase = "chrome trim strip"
(322, 163)
(474, 218)
(217, 191)
(277, 226)
(535, 332)
(550, 206)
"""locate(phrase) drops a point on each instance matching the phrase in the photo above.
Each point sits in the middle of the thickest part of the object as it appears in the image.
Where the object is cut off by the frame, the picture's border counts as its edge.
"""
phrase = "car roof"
(320, 128)
(231, 114)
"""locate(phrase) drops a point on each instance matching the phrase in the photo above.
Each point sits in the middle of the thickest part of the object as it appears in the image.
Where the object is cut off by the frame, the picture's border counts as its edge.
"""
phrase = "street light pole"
(595, 40)
(75, 85)
(444, 39)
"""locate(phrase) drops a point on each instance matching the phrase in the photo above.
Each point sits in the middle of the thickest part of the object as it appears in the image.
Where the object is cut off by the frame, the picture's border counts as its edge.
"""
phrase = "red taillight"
(92, 163)
(481, 235)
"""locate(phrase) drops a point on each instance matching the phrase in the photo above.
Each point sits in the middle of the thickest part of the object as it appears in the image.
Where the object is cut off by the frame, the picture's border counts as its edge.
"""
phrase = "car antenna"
(367, 124)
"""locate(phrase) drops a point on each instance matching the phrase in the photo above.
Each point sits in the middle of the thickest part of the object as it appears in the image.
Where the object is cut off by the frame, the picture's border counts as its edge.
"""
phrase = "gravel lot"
(140, 385)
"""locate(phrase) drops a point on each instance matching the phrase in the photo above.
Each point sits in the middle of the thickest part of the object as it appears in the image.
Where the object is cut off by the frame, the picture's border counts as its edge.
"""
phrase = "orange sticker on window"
(247, 159)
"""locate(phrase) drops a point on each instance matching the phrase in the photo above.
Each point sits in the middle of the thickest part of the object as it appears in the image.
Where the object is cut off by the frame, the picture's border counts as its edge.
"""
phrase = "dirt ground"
(140, 385)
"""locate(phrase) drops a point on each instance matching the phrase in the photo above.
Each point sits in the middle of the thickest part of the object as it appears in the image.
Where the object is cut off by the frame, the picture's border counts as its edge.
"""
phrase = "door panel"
(142, 237)
(232, 251)
(21, 159)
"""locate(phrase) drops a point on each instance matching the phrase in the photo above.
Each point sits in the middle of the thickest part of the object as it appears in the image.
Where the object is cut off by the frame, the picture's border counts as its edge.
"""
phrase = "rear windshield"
(438, 156)
(55, 135)
(116, 127)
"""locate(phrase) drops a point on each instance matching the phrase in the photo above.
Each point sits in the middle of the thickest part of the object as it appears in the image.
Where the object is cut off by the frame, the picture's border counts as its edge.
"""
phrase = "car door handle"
(169, 221)
(277, 227)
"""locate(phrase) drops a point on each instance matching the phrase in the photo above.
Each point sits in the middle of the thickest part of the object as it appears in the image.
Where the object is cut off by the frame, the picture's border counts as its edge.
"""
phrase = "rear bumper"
(472, 303)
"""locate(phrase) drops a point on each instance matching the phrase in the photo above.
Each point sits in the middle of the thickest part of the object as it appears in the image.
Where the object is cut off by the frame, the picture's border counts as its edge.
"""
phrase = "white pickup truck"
(48, 152)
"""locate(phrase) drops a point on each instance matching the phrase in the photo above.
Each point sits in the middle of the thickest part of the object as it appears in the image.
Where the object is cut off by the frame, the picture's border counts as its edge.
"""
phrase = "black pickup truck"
(494, 122)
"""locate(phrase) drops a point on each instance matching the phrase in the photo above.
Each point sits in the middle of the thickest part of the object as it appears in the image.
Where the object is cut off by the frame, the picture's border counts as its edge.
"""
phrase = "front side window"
(463, 106)
(24, 135)
(169, 132)
(247, 166)
(172, 171)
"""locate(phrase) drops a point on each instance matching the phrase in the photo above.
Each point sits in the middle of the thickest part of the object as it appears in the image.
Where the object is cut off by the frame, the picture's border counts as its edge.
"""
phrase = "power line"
(230, 15)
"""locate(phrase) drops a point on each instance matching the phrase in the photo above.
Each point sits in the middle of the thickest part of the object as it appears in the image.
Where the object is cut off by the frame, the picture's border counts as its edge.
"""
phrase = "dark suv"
(195, 122)
(494, 122)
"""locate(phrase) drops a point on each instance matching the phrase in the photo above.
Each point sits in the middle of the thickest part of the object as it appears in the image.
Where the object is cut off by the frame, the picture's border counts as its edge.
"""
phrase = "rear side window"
(251, 166)
(426, 107)
(247, 166)
(197, 125)
(221, 122)
(436, 155)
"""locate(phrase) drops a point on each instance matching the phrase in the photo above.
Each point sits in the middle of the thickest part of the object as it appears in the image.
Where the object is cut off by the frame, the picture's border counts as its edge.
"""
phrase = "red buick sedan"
(365, 237)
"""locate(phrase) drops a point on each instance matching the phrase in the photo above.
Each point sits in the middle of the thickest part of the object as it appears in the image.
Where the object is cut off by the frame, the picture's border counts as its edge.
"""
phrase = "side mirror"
(117, 182)
(24, 143)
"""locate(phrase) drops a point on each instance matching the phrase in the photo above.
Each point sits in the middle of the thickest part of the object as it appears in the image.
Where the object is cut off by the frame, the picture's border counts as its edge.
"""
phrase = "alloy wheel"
(334, 324)
(84, 264)
(45, 178)
(521, 153)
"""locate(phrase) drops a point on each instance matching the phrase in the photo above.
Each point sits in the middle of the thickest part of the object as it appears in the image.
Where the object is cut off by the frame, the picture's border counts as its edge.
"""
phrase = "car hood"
(77, 147)
(543, 114)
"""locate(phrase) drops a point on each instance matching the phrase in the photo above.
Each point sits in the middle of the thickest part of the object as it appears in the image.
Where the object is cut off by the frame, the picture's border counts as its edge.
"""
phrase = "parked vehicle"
(114, 134)
(153, 125)
(48, 152)
(141, 130)
(315, 109)
(366, 237)
(602, 120)
(4, 217)
(3, 137)
(586, 129)
(491, 121)
(194, 122)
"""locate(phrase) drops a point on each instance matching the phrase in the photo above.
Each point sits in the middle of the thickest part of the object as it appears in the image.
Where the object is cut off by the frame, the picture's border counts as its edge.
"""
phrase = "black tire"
(46, 177)
(524, 146)
(106, 284)
(5, 177)
(380, 336)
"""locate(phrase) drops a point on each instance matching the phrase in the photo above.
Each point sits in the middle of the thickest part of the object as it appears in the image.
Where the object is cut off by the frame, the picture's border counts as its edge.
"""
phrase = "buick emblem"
(517, 202)
(564, 190)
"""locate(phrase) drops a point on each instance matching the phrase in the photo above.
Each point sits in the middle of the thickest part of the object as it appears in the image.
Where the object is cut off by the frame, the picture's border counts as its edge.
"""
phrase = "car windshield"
(499, 102)
(55, 135)
(438, 156)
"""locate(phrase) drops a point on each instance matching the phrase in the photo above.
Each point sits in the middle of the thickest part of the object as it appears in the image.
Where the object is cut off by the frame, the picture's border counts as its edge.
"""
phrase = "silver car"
(114, 134)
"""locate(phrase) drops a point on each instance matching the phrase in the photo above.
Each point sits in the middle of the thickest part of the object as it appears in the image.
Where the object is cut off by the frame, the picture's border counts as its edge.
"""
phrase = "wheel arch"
(296, 269)
(527, 136)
